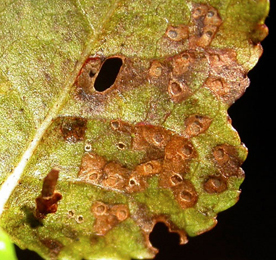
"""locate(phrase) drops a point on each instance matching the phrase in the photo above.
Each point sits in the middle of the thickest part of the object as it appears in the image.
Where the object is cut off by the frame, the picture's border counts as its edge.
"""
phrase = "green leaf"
(6, 247)
(86, 172)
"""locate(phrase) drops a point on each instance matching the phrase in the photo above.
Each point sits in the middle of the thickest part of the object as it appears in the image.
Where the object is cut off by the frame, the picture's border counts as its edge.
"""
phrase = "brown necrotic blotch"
(73, 129)
(177, 33)
(227, 160)
(227, 78)
(108, 216)
(215, 184)
(87, 75)
(196, 124)
(206, 21)
(53, 245)
(47, 202)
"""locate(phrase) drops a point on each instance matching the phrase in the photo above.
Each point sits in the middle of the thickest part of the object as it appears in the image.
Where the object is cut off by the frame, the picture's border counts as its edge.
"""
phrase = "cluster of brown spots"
(108, 216)
(227, 160)
(87, 75)
(227, 78)
(47, 202)
(206, 23)
(196, 124)
(73, 128)
(53, 245)
(167, 156)
(110, 175)
(178, 154)
(177, 33)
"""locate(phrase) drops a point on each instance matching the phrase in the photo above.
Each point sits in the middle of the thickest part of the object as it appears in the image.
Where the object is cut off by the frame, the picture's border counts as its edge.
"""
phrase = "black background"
(246, 231)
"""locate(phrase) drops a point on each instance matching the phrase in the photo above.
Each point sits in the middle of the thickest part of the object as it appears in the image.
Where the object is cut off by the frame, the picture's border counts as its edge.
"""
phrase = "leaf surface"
(86, 172)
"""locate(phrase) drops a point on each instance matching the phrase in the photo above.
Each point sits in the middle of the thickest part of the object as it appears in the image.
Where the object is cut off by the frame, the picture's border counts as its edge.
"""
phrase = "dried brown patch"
(87, 75)
(149, 168)
(206, 22)
(196, 124)
(92, 168)
(73, 129)
(108, 216)
(177, 33)
(136, 183)
(115, 176)
(178, 91)
(226, 159)
(227, 79)
(185, 194)
(53, 245)
(47, 202)
(215, 184)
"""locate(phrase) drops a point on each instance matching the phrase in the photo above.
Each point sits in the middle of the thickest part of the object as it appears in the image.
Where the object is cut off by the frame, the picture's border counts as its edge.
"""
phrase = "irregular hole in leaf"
(162, 238)
(108, 74)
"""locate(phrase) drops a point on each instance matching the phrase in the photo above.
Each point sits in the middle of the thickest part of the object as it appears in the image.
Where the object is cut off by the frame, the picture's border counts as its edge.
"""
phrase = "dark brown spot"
(73, 129)
(210, 14)
(136, 183)
(87, 147)
(206, 23)
(53, 245)
(221, 155)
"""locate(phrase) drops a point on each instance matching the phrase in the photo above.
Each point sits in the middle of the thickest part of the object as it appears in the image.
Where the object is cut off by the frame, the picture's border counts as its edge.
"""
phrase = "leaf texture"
(87, 172)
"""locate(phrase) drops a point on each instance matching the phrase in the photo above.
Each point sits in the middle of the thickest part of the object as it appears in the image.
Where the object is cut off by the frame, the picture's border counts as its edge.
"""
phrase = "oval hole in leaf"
(108, 74)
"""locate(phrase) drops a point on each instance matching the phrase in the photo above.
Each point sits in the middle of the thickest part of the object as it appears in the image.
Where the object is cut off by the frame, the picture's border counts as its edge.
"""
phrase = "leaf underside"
(104, 166)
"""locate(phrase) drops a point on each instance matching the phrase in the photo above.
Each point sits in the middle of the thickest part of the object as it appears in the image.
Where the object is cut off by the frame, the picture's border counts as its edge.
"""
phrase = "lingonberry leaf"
(113, 117)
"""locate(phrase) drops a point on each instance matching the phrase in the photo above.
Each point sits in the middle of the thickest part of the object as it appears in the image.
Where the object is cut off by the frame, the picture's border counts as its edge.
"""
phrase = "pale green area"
(41, 43)
(6, 247)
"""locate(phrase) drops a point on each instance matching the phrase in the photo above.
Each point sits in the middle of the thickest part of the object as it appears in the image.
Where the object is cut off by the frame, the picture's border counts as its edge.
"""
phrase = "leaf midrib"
(12, 180)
